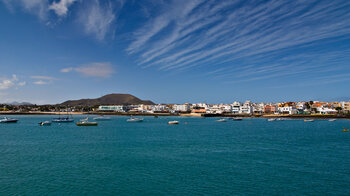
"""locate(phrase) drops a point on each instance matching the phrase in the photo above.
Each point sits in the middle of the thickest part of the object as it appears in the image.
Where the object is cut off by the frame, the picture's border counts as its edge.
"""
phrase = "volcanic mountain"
(110, 99)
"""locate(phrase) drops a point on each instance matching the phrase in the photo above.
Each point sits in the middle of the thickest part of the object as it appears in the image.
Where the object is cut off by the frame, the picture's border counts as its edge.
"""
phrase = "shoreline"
(293, 116)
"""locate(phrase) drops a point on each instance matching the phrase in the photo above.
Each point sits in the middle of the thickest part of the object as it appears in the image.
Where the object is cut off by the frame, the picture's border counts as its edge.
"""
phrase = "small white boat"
(174, 122)
(8, 120)
(85, 122)
(279, 119)
(221, 120)
(45, 123)
(271, 119)
(308, 120)
(237, 118)
(101, 118)
(332, 120)
(132, 119)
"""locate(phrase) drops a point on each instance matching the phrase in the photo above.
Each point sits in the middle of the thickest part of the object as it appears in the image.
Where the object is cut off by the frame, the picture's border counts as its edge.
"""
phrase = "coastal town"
(195, 109)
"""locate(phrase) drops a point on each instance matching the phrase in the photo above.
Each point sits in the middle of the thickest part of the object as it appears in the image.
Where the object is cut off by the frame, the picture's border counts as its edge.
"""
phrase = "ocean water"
(197, 157)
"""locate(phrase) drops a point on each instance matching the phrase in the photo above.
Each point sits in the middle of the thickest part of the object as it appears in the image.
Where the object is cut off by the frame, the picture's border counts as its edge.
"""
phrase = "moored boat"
(332, 120)
(308, 120)
(45, 123)
(62, 120)
(85, 122)
(132, 119)
(8, 120)
(66, 119)
(221, 120)
(174, 122)
(271, 119)
(237, 118)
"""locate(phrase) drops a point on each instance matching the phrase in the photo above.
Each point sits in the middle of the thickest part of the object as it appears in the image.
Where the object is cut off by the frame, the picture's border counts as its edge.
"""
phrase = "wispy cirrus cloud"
(36, 7)
(43, 77)
(43, 80)
(179, 10)
(97, 69)
(227, 35)
(98, 17)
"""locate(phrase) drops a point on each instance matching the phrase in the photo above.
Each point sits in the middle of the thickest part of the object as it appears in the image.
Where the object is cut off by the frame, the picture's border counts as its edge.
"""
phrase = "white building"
(214, 109)
(287, 109)
(325, 110)
(202, 105)
(113, 108)
(345, 106)
(226, 108)
(218, 109)
(182, 108)
(236, 106)
(143, 108)
(301, 106)
(246, 108)
(258, 108)
(158, 108)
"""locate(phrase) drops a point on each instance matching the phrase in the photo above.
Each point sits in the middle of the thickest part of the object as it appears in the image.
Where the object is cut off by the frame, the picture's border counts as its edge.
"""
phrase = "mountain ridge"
(16, 103)
(109, 99)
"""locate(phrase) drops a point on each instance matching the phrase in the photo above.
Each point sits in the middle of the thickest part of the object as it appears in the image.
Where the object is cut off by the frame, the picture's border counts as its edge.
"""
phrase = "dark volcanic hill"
(110, 99)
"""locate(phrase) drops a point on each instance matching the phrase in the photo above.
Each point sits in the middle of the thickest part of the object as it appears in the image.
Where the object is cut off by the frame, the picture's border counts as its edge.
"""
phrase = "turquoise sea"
(197, 157)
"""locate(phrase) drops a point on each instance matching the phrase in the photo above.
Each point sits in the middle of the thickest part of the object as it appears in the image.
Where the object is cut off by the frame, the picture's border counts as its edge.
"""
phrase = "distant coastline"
(292, 116)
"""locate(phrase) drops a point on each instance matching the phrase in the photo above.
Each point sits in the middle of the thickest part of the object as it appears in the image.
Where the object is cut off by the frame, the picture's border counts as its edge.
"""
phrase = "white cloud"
(176, 12)
(66, 70)
(41, 82)
(98, 69)
(103, 69)
(211, 33)
(43, 77)
(22, 83)
(98, 17)
(36, 7)
(41, 8)
(7, 83)
(61, 7)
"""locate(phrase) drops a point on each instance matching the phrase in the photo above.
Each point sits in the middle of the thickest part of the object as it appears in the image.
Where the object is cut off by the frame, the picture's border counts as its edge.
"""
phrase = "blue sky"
(174, 51)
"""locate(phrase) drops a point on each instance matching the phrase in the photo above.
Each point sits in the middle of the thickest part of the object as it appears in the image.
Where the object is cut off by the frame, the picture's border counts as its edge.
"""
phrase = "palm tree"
(338, 109)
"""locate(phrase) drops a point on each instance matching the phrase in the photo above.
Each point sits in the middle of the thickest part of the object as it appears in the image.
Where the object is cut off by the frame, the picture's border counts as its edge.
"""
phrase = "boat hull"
(87, 124)
(135, 120)
(45, 123)
(173, 122)
(9, 121)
